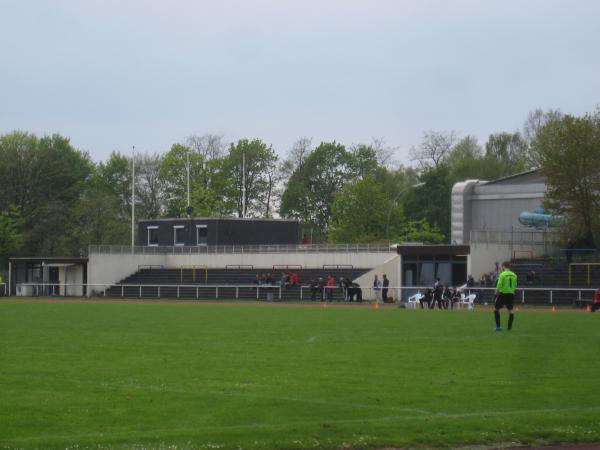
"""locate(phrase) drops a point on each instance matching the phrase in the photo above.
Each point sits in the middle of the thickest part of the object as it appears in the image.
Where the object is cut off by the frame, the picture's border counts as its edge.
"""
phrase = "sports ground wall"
(107, 269)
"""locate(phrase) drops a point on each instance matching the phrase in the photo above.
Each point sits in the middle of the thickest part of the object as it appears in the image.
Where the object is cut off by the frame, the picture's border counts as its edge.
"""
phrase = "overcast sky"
(112, 74)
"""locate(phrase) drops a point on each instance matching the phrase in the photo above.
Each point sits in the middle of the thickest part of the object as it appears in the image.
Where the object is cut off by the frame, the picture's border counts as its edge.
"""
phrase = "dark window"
(201, 234)
(178, 235)
(152, 236)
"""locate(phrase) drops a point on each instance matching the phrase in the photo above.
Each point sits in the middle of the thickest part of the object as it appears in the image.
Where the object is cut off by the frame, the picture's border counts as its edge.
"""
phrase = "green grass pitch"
(135, 375)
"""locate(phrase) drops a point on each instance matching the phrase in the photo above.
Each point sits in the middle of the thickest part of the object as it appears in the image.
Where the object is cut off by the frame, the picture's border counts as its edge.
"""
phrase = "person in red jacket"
(294, 280)
(596, 305)
(330, 287)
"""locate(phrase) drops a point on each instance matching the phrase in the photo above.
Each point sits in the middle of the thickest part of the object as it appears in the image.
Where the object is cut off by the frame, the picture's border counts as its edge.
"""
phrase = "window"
(178, 235)
(152, 236)
(201, 234)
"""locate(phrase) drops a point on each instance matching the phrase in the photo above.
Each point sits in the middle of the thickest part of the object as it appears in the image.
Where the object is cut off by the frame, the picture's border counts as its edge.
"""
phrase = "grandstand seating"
(551, 273)
(196, 283)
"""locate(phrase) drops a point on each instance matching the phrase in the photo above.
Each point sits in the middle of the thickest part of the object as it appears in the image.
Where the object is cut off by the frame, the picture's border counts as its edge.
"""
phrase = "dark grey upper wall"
(224, 231)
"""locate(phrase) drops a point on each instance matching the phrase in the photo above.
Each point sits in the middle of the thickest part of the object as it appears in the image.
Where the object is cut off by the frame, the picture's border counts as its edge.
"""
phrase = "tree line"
(54, 200)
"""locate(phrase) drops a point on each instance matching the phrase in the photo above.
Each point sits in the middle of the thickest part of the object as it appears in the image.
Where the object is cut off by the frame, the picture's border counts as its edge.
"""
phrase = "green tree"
(510, 149)
(419, 231)
(362, 212)
(207, 192)
(431, 200)
(569, 152)
(251, 165)
(114, 177)
(311, 189)
(11, 237)
(43, 179)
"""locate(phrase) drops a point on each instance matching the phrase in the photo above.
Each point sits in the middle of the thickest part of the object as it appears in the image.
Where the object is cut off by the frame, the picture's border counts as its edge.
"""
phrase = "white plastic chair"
(467, 300)
(414, 300)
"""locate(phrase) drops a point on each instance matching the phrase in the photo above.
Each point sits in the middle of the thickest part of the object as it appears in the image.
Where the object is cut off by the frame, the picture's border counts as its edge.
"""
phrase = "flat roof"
(434, 250)
(49, 259)
(248, 219)
(513, 176)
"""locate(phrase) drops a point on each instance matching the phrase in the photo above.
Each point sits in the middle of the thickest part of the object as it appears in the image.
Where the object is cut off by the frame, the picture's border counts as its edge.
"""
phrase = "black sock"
(497, 317)
(511, 317)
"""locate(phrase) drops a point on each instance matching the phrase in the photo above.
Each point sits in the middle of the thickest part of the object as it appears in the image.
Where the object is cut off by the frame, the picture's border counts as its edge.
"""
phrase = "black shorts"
(507, 300)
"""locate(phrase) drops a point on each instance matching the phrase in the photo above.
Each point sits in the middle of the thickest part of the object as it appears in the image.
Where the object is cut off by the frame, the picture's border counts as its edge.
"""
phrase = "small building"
(423, 264)
(35, 275)
(204, 231)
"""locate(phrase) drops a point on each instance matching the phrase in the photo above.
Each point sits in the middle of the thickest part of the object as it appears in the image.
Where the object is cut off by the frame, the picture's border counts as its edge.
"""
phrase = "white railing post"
(551, 292)
(237, 292)
(177, 291)
(158, 293)
(217, 292)
(122, 290)
(140, 291)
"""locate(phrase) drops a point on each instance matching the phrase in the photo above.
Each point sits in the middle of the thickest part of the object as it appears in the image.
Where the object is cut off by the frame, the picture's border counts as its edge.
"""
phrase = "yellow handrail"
(589, 280)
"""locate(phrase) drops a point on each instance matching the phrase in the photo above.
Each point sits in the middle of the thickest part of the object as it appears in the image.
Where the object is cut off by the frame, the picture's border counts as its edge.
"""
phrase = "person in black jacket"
(384, 291)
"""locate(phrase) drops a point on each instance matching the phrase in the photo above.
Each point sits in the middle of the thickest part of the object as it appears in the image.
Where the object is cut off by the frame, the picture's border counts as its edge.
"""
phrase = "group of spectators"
(441, 295)
(323, 289)
(286, 280)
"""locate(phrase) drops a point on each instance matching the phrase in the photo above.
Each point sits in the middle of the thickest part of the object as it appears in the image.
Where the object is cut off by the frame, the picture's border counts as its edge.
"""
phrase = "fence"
(3, 288)
(513, 237)
(525, 296)
(229, 249)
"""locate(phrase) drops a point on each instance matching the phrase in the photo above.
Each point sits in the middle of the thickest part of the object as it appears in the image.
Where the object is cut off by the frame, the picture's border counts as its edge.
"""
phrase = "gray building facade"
(203, 231)
(494, 206)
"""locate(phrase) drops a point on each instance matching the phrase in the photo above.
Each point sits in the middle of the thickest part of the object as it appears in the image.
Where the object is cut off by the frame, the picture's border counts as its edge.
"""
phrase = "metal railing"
(514, 237)
(239, 249)
(484, 295)
(3, 288)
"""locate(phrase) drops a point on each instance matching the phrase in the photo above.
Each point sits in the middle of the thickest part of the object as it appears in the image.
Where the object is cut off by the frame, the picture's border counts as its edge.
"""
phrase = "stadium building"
(492, 221)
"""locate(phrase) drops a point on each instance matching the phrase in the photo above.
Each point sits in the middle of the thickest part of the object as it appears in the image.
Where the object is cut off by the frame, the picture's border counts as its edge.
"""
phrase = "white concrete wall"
(392, 268)
(107, 269)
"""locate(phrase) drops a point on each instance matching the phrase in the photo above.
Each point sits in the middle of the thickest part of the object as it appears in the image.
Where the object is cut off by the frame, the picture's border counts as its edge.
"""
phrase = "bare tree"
(434, 148)
(383, 152)
(536, 120)
(149, 186)
(210, 146)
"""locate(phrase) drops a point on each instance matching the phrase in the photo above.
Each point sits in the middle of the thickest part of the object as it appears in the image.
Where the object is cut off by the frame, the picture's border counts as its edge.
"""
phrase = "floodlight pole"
(132, 198)
(243, 183)
(188, 180)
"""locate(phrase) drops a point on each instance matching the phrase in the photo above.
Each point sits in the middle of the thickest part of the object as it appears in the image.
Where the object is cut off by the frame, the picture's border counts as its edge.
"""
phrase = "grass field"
(134, 375)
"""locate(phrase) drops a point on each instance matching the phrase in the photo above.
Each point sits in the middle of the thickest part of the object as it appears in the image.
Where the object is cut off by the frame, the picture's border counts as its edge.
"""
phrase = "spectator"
(256, 280)
(305, 239)
(269, 282)
(376, 287)
(314, 288)
(347, 286)
(294, 279)
(322, 288)
(427, 297)
(470, 281)
(530, 277)
(447, 294)
(484, 280)
(355, 291)
(342, 286)
(384, 291)
(330, 286)
(438, 290)
(455, 298)
(596, 304)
